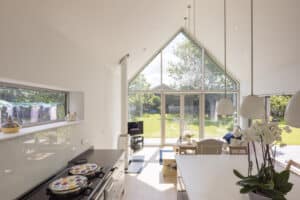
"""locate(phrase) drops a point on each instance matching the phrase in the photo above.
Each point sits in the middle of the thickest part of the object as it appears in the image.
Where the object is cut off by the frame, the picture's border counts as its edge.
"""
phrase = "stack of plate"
(69, 185)
(88, 169)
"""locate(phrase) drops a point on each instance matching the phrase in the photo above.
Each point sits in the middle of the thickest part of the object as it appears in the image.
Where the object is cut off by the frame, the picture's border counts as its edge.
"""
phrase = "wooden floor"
(150, 184)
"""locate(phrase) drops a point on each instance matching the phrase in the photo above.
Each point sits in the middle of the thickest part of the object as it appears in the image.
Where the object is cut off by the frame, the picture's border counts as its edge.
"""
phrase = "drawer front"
(118, 177)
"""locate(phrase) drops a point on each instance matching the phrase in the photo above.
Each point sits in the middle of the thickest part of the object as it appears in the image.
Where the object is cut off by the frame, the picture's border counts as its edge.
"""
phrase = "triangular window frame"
(205, 52)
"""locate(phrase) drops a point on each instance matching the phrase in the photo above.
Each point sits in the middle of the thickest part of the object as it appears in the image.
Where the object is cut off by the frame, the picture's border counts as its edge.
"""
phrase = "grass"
(292, 138)
(152, 126)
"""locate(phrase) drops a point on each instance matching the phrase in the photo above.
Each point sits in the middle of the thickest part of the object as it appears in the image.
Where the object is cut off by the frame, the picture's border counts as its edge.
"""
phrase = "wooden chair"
(238, 150)
(292, 163)
(209, 146)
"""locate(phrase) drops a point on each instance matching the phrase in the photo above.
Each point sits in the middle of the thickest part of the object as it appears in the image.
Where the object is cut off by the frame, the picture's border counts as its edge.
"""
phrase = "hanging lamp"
(292, 112)
(252, 106)
(225, 106)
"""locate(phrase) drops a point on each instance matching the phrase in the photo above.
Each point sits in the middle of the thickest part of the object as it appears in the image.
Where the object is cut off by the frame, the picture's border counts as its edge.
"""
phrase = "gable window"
(31, 106)
(176, 92)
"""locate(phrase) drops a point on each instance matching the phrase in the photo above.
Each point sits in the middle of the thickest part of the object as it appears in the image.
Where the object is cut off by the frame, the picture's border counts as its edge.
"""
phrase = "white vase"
(255, 196)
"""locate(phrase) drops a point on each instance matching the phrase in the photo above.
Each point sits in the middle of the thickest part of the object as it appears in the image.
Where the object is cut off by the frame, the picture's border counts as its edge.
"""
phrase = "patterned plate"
(84, 169)
(68, 183)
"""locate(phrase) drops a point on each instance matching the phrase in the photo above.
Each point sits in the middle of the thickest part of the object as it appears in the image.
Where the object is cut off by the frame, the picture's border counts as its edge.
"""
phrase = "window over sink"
(31, 106)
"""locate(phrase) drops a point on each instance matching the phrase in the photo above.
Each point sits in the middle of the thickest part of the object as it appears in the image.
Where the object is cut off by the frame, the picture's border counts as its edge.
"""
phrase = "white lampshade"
(292, 112)
(253, 107)
(224, 107)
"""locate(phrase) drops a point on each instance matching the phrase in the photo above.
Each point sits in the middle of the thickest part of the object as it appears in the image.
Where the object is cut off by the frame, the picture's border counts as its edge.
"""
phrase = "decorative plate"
(84, 169)
(68, 183)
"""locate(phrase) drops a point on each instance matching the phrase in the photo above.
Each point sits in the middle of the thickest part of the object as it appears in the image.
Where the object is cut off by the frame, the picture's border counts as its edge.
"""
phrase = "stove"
(93, 190)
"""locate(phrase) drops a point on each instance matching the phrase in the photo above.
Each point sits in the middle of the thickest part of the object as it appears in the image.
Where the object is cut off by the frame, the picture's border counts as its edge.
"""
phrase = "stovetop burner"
(80, 193)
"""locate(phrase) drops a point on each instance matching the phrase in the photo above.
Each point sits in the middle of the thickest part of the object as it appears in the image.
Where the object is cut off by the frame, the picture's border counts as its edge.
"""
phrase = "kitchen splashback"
(28, 160)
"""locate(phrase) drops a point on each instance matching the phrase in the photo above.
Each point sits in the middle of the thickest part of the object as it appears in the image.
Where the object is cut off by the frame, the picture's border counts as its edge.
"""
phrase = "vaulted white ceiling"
(105, 30)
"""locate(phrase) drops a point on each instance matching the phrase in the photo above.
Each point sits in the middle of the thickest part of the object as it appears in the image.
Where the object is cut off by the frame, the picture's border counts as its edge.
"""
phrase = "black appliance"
(136, 131)
(135, 128)
(98, 184)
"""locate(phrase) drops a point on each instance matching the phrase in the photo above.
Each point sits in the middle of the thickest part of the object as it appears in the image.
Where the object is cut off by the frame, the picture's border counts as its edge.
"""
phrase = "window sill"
(35, 129)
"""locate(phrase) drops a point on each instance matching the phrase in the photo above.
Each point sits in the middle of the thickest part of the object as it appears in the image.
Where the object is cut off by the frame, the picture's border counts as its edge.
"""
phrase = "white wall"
(33, 49)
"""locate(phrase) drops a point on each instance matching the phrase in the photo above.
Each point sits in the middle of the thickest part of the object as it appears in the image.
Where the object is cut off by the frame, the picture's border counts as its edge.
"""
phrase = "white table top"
(210, 177)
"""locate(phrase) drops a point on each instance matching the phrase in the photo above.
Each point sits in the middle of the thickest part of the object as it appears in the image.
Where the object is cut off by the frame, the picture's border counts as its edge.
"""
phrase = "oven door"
(109, 190)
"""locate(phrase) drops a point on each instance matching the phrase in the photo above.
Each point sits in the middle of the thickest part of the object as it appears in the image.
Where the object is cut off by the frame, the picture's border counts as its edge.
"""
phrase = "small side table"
(136, 142)
(169, 169)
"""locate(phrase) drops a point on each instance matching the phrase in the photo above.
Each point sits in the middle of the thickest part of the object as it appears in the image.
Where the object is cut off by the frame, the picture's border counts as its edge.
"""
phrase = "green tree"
(140, 103)
(278, 105)
(139, 83)
(186, 69)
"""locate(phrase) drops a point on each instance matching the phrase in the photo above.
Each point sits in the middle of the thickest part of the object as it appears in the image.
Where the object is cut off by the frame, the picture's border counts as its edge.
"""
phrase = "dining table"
(210, 177)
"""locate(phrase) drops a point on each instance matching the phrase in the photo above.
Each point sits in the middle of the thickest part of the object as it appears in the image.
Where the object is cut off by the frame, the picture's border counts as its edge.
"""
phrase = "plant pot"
(256, 196)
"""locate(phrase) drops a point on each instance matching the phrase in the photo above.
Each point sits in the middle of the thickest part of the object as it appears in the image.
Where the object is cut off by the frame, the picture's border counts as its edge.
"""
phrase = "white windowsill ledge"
(35, 129)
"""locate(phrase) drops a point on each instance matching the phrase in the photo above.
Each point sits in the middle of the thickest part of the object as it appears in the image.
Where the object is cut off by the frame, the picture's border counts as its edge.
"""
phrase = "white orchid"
(267, 133)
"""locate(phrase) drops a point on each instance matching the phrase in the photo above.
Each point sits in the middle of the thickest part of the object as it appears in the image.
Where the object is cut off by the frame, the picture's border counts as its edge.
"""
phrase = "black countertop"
(105, 158)
(102, 157)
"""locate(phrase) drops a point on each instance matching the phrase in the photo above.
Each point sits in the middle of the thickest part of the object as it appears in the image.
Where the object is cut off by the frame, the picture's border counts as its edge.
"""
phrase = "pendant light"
(252, 106)
(292, 112)
(225, 106)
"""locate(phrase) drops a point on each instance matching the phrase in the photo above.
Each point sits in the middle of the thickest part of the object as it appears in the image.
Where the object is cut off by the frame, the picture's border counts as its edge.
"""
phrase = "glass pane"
(214, 78)
(191, 115)
(172, 118)
(146, 108)
(277, 105)
(149, 78)
(217, 126)
(29, 106)
(182, 64)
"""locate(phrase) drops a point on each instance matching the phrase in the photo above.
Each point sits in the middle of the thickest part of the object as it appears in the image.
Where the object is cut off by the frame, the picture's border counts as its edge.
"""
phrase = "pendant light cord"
(225, 46)
(194, 16)
(252, 71)
(189, 17)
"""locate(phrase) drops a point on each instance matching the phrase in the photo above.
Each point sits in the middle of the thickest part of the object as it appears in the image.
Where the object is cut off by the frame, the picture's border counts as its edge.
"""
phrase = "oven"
(115, 185)
(109, 191)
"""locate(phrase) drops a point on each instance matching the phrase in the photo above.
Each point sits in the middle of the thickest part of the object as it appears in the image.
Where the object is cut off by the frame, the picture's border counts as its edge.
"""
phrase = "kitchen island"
(210, 177)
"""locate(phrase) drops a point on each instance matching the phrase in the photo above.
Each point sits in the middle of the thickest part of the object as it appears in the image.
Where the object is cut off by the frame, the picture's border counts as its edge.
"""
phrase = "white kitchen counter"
(210, 177)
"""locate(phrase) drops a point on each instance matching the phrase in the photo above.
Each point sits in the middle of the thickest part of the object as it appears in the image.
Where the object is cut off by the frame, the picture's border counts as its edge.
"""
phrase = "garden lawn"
(152, 126)
(292, 138)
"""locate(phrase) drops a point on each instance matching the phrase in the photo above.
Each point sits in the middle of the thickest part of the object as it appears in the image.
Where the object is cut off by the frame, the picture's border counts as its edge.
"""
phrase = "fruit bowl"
(10, 130)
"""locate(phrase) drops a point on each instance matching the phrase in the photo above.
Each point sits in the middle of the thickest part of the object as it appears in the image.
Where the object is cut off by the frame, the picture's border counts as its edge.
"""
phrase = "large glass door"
(172, 118)
(217, 126)
(191, 116)
(182, 114)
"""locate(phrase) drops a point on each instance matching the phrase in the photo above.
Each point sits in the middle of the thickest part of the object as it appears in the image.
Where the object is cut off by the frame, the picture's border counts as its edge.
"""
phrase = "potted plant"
(266, 183)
